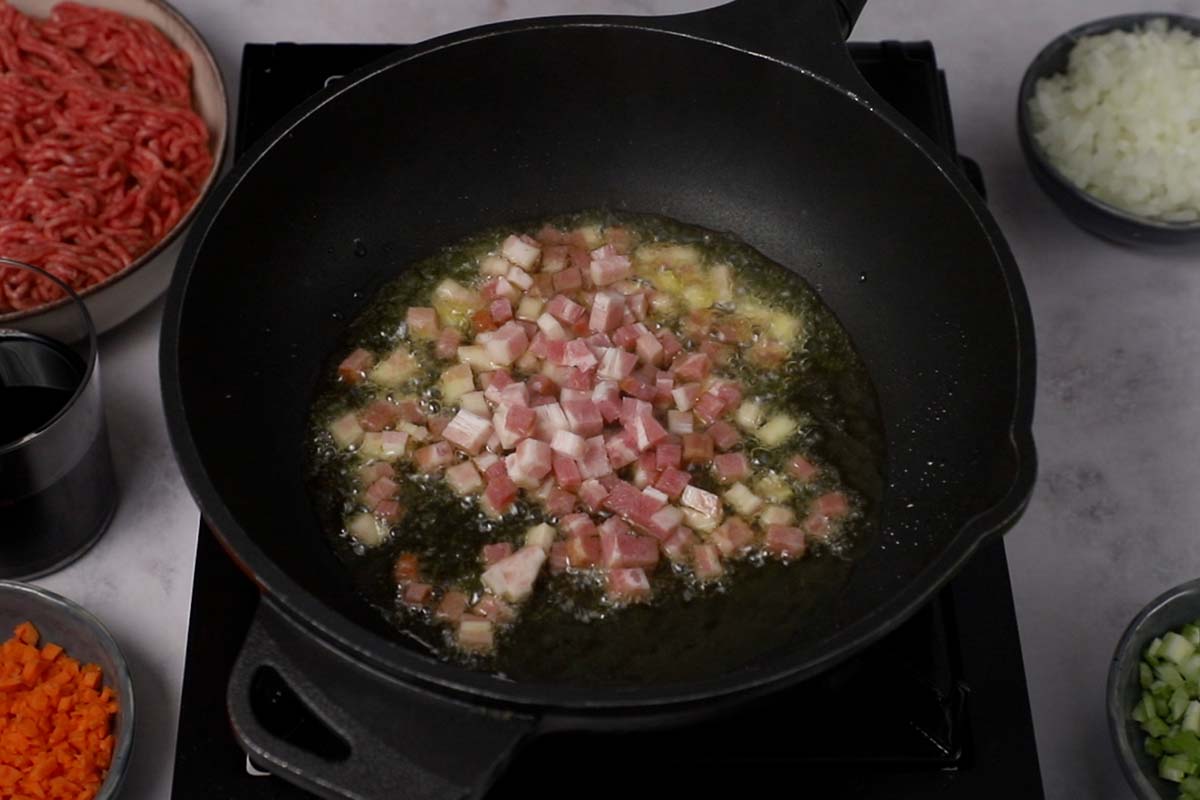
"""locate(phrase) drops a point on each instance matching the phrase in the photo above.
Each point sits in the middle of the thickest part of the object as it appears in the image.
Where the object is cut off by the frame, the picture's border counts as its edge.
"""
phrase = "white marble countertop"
(1110, 524)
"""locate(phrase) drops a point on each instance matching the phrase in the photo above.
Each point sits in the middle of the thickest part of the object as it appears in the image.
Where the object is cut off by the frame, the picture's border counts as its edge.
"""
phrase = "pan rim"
(407, 666)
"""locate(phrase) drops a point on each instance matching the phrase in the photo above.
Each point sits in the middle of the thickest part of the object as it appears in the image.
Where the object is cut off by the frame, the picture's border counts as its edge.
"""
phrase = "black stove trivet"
(938, 708)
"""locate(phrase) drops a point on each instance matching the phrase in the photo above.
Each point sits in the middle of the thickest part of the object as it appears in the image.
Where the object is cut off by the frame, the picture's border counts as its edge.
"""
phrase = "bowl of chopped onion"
(1107, 119)
(1154, 697)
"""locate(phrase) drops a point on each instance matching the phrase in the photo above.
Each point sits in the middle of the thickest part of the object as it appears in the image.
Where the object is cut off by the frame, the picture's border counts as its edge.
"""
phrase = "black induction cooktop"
(939, 708)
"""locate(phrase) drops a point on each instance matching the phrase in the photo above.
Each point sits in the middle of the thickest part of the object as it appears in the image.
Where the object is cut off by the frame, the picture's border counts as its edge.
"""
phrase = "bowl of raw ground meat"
(113, 122)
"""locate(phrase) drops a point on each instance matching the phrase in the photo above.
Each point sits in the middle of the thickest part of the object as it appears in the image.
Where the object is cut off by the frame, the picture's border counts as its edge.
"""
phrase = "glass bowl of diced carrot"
(66, 699)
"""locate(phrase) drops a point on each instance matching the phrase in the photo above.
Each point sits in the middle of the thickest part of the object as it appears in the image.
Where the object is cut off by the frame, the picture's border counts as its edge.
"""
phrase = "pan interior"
(532, 123)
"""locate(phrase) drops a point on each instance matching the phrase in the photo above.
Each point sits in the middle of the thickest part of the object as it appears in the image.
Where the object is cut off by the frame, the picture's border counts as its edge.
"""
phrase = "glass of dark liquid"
(57, 491)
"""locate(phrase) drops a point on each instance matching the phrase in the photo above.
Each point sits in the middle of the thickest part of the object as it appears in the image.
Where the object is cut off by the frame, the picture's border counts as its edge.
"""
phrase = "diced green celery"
(1175, 648)
(1169, 674)
(1191, 668)
(1153, 648)
(1170, 770)
(1139, 712)
(1191, 786)
(1160, 689)
(1184, 743)
(1161, 707)
(1149, 707)
(1178, 704)
(1153, 747)
(1156, 727)
(1191, 717)
(1145, 676)
(1191, 633)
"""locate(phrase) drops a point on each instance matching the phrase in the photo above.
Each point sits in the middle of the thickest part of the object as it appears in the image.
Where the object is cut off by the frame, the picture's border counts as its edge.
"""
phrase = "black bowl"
(1085, 210)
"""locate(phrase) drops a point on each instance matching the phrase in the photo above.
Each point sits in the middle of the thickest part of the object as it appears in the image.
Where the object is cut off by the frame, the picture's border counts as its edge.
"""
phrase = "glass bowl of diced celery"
(1154, 697)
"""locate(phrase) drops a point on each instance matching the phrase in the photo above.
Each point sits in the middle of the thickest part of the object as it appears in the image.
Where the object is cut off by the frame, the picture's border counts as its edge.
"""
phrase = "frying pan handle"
(807, 33)
(368, 736)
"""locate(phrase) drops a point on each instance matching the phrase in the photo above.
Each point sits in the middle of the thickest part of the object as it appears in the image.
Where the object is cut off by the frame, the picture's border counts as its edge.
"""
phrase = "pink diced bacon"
(566, 472)
(785, 541)
(692, 367)
(583, 417)
(565, 309)
(731, 467)
(512, 578)
(422, 322)
(833, 504)
(616, 365)
(628, 585)
(623, 550)
(468, 431)
(593, 494)
(507, 343)
(608, 267)
(500, 493)
(583, 551)
(801, 468)
(647, 431)
(464, 479)
(577, 354)
(595, 462)
(672, 482)
(354, 366)
(533, 460)
(707, 562)
(607, 397)
(607, 310)
(496, 552)
(434, 457)
(568, 444)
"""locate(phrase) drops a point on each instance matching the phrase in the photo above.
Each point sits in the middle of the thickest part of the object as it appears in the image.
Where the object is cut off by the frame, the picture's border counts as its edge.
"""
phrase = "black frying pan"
(748, 118)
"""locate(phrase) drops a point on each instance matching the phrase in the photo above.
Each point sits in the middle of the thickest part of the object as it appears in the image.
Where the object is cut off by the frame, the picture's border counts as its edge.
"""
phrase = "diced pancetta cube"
(464, 479)
(647, 431)
(493, 608)
(703, 502)
(550, 420)
(346, 431)
(551, 328)
(569, 444)
(497, 551)
(638, 304)
(649, 349)
(697, 448)
(616, 365)
(369, 473)
(515, 394)
(573, 395)
(468, 431)
(354, 367)
(569, 280)
(557, 558)
(507, 343)
(776, 515)
(637, 387)
(816, 526)
(422, 322)
(785, 541)
(494, 383)
(663, 522)
(583, 551)
(832, 504)
(521, 250)
(437, 424)
(476, 636)
(678, 546)
(743, 500)
(685, 395)
(556, 351)
(578, 379)
(680, 422)
(801, 468)
(731, 467)
(455, 382)
(724, 435)
(434, 457)
(392, 443)
(501, 310)
(566, 472)
(452, 606)
(417, 594)
(671, 346)
(541, 535)
(533, 460)
(379, 491)
(559, 502)
(541, 384)
(692, 367)
(500, 493)
(628, 585)
(595, 462)
(578, 355)
(395, 369)
(607, 311)
(512, 578)
(446, 346)
(622, 550)
(494, 266)
(667, 454)
(706, 560)
(519, 278)
(366, 529)
(672, 482)
(607, 397)
(708, 408)
(498, 468)
(733, 537)
(621, 449)
(554, 258)
(565, 309)
(623, 499)
(593, 494)
(389, 511)
(578, 525)
(626, 336)
(608, 266)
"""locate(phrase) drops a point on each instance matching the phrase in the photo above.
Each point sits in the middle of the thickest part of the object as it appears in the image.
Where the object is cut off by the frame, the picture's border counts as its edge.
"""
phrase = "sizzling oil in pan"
(564, 634)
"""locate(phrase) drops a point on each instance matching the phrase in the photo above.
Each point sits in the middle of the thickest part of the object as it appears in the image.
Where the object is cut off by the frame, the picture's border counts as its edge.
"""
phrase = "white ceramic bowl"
(124, 293)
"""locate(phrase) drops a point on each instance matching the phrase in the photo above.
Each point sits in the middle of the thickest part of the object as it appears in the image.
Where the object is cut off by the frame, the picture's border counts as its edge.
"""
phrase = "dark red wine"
(24, 409)
(57, 492)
